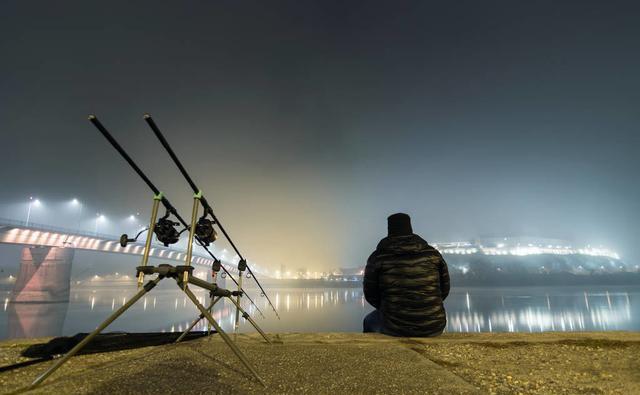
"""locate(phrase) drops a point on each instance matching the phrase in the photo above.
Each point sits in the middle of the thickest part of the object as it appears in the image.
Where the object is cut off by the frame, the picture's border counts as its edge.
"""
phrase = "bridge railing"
(76, 232)
(52, 228)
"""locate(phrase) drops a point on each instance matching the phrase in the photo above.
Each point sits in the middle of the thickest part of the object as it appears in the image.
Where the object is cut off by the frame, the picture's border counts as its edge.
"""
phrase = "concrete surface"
(353, 363)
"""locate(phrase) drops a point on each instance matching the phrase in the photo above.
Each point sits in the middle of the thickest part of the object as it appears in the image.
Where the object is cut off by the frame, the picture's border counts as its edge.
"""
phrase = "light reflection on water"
(546, 309)
(524, 309)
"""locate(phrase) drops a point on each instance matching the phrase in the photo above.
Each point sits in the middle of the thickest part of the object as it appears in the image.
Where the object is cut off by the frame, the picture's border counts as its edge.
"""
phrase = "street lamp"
(75, 203)
(99, 218)
(32, 202)
(135, 220)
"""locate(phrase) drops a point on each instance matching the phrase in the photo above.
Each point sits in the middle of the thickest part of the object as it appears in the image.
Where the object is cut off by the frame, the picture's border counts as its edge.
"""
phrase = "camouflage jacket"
(407, 280)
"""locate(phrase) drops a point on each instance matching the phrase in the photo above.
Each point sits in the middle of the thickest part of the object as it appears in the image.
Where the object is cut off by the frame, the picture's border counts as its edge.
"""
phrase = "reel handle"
(124, 240)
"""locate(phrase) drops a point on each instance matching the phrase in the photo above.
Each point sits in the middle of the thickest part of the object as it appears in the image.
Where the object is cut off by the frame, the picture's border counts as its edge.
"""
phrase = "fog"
(307, 123)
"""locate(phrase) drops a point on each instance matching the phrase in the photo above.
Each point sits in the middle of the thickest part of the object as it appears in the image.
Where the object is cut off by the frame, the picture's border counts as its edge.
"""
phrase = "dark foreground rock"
(336, 363)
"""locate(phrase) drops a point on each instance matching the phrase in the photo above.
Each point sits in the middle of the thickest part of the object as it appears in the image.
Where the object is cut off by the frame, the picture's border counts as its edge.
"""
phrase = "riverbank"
(545, 363)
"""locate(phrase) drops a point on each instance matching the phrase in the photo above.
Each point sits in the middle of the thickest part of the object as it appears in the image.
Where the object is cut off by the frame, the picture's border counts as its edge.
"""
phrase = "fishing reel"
(166, 232)
(205, 232)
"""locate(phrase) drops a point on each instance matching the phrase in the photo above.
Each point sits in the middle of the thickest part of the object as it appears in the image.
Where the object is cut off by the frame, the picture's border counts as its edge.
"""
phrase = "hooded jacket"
(407, 280)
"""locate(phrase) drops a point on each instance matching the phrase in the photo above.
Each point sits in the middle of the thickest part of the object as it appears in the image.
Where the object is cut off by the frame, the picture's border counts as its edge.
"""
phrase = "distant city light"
(461, 248)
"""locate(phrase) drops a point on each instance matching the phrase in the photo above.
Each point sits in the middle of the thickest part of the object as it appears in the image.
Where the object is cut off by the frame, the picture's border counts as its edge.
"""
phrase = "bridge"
(48, 251)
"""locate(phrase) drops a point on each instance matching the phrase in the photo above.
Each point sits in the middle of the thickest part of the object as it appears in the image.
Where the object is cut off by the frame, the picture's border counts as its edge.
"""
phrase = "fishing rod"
(163, 199)
(242, 264)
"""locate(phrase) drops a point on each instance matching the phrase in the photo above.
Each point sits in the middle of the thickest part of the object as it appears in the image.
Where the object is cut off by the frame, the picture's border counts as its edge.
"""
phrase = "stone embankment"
(348, 363)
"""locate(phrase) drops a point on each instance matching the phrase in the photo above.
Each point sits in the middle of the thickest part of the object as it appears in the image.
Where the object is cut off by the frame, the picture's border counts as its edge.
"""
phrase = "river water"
(521, 309)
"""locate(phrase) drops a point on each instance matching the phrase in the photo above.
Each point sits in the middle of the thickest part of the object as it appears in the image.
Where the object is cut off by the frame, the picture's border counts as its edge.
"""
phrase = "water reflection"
(31, 320)
(528, 309)
(532, 309)
(542, 309)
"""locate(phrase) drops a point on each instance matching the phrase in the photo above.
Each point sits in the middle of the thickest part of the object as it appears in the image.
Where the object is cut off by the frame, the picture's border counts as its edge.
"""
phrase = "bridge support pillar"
(45, 275)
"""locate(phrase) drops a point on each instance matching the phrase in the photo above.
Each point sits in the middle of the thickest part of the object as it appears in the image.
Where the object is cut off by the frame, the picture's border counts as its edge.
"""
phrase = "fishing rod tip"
(146, 115)
(91, 117)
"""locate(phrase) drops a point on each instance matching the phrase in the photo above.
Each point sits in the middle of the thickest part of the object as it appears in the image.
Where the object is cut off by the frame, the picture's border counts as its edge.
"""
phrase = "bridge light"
(99, 218)
(32, 202)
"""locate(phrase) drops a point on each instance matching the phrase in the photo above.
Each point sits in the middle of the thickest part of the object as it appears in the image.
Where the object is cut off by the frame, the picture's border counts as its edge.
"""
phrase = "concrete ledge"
(330, 363)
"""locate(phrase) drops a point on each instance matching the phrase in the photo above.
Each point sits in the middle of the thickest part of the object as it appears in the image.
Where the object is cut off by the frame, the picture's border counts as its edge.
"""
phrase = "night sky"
(307, 123)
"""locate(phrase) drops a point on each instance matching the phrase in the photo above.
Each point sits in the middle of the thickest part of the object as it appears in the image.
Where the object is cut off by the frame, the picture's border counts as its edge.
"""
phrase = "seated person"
(406, 280)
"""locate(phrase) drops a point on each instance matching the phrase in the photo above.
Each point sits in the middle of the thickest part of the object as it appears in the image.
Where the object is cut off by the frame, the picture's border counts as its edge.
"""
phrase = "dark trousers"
(373, 322)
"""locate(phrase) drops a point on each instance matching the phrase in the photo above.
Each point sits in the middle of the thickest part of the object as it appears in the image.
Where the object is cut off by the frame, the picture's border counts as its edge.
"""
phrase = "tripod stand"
(177, 273)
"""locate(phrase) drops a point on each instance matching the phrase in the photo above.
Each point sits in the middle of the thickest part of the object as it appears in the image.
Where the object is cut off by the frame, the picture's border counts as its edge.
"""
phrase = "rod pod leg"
(213, 301)
(192, 231)
(147, 245)
(242, 266)
(195, 322)
(246, 316)
(147, 287)
(222, 334)
(236, 326)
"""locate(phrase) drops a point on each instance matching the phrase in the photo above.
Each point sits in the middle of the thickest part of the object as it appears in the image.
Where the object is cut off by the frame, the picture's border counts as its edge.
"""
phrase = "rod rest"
(214, 290)
(164, 270)
(176, 272)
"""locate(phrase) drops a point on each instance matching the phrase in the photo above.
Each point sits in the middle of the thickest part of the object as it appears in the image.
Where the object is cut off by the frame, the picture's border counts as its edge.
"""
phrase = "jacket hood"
(410, 244)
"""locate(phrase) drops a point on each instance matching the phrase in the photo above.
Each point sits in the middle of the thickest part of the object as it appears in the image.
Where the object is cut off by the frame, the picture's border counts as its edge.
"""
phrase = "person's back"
(406, 280)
